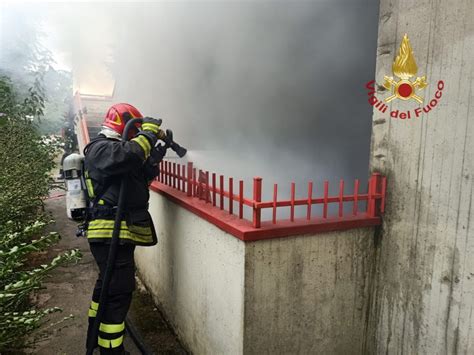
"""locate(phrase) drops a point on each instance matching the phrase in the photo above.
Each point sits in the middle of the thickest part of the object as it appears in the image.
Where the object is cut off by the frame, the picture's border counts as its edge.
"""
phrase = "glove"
(149, 134)
(151, 124)
(151, 130)
(152, 167)
(167, 138)
(158, 154)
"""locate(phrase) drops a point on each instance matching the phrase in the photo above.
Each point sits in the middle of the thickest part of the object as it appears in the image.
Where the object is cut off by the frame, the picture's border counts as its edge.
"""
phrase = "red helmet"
(118, 115)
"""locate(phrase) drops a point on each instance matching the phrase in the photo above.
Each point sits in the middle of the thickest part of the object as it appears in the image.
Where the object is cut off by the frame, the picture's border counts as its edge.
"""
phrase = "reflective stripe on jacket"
(106, 161)
(100, 229)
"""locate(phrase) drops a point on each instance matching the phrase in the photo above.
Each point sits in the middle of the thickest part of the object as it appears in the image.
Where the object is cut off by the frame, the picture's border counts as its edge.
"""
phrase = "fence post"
(221, 191)
(178, 177)
(326, 196)
(275, 197)
(200, 178)
(190, 179)
(292, 206)
(214, 189)
(231, 195)
(310, 200)
(375, 187)
(355, 207)
(241, 199)
(160, 177)
(257, 197)
(173, 178)
(207, 187)
(183, 178)
(341, 198)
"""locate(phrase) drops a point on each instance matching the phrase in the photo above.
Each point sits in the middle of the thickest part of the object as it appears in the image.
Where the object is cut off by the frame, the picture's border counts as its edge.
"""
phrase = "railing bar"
(214, 189)
(183, 177)
(246, 201)
(194, 183)
(325, 207)
(190, 179)
(173, 179)
(169, 173)
(160, 177)
(257, 196)
(310, 198)
(355, 207)
(221, 183)
(314, 201)
(231, 195)
(371, 200)
(341, 197)
(178, 177)
(241, 198)
(207, 187)
(202, 185)
(292, 209)
(275, 193)
(163, 178)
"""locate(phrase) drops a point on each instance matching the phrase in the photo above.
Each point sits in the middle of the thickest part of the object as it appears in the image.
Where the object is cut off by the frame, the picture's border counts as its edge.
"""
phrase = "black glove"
(151, 130)
(157, 154)
(167, 138)
(151, 124)
(152, 166)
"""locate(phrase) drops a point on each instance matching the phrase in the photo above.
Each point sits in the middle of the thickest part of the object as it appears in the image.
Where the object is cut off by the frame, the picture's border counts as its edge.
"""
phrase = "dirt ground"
(70, 288)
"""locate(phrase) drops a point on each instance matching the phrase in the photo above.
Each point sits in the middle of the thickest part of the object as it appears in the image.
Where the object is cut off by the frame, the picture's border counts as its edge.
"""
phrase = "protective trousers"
(122, 285)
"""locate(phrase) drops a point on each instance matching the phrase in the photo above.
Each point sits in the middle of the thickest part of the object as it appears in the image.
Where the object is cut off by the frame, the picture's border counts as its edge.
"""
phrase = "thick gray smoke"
(257, 88)
(266, 88)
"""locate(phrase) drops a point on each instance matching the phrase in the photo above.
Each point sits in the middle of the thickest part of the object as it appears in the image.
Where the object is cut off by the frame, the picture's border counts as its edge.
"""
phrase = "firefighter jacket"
(106, 162)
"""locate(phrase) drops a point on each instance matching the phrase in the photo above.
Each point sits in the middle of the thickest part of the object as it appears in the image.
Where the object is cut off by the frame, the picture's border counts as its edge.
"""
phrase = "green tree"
(26, 159)
(39, 87)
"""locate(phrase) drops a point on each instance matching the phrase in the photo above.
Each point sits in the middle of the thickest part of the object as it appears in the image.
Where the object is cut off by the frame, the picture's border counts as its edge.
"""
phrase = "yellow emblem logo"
(404, 67)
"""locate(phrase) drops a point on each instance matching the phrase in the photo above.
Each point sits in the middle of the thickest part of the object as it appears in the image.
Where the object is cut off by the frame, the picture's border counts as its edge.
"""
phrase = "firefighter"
(107, 160)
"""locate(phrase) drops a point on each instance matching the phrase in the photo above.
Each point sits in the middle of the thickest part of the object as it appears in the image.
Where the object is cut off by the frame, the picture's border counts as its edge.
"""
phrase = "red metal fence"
(213, 189)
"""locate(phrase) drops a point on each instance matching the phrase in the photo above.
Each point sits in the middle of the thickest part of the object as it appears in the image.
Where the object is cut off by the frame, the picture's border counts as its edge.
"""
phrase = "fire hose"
(180, 151)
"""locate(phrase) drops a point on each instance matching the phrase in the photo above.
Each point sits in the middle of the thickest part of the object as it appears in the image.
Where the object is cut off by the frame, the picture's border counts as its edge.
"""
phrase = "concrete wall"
(308, 294)
(424, 292)
(304, 294)
(196, 274)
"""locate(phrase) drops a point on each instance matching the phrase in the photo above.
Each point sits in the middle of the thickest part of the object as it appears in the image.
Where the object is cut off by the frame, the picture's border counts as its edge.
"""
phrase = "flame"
(404, 65)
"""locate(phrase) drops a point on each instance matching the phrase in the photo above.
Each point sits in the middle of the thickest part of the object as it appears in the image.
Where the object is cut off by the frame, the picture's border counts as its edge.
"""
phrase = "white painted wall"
(196, 274)
(424, 299)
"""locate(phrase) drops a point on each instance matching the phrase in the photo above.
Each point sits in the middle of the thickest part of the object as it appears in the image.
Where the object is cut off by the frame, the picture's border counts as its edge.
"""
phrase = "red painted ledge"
(243, 229)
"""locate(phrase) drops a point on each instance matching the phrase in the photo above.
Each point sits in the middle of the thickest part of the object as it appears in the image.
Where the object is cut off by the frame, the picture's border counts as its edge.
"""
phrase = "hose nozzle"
(168, 139)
